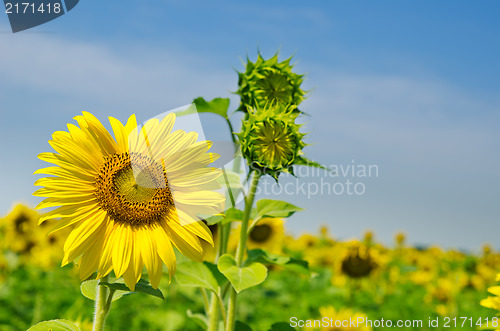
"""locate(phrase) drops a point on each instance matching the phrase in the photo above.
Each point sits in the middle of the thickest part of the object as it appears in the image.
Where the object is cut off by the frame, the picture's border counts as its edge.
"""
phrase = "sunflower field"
(322, 277)
(143, 229)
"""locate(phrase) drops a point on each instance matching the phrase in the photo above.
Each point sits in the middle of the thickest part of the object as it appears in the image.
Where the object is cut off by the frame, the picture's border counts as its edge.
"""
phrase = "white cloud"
(131, 74)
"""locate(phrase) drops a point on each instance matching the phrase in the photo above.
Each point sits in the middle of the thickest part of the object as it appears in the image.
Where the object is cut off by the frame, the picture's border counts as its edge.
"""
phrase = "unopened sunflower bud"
(270, 140)
(269, 81)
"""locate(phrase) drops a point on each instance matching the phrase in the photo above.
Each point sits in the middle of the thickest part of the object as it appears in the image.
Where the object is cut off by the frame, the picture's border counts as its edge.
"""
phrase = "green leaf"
(242, 278)
(141, 287)
(205, 275)
(89, 290)
(217, 106)
(281, 326)
(240, 326)
(309, 163)
(219, 277)
(212, 220)
(275, 208)
(199, 319)
(290, 263)
(231, 215)
(55, 325)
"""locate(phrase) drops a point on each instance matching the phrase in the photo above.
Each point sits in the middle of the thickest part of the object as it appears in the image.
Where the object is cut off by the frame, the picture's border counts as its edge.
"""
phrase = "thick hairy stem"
(240, 251)
(102, 305)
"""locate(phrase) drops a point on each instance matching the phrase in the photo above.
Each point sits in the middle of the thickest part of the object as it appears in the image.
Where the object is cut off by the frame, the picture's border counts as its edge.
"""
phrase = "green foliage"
(240, 326)
(281, 326)
(89, 290)
(200, 319)
(275, 208)
(28, 296)
(217, 106)
(241, 278)
(55, 325)
(205, 275)
(231, 215)
(141, 287)
(262, 256)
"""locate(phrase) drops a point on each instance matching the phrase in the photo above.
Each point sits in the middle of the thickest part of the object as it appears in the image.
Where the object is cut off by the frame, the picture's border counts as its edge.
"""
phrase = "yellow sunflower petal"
(122, 248)
(195, 226)
(134, 270)
(165, 249)
(83, 237)
(90, 259)
(187, 243)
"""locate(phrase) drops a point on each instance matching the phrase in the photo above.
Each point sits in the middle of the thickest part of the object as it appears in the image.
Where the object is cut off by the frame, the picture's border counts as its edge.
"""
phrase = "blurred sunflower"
(493, 302)
(358, 261)
(305, 242)
(20, 229)
(400, 239)
(443, 293)
(368, 237)
(29, 242)
(336, 319)
(129, 198)
(268, 234)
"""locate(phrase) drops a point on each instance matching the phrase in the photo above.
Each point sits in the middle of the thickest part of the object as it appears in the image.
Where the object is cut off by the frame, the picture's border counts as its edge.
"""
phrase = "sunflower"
(129, 199)
(271, 141)
(269, 81)
(20, 229)
(31, 243)
(359, 260)
(268, 234)
(339, 319)
(400, 239)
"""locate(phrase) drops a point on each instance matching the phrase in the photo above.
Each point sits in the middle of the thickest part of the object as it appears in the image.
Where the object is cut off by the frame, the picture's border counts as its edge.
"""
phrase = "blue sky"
(409, 86)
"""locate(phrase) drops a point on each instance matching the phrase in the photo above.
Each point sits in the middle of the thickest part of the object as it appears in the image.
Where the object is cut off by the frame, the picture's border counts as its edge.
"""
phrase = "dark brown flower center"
(133, 189)
(261, 233)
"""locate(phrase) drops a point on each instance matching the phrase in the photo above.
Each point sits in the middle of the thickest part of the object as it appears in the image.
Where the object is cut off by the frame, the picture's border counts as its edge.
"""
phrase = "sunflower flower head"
(129, 200)
(400, 239)
(271, 141)
(269, 81)
(338, 319)
(359, 261)
(21, 232)
(268, 233)
(28, 241)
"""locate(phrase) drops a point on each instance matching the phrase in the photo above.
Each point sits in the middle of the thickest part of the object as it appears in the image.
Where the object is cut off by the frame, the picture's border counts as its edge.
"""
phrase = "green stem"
(213, 311)
(240, 251)
(221, 305)
(231, 131)
(205, 299)
(102, 305)
(213, 321)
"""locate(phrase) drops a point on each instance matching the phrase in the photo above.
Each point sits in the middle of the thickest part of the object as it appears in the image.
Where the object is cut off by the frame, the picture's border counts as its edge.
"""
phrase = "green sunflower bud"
(269, 82)
(270, 140)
